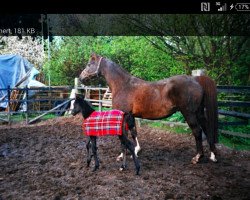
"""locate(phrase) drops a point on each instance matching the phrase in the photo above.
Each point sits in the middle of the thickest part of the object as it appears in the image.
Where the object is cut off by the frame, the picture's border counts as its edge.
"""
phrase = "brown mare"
(194, 97)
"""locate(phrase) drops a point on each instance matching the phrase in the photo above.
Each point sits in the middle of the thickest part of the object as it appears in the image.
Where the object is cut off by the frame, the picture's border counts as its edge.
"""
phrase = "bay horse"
(194, 97)
(127, 122)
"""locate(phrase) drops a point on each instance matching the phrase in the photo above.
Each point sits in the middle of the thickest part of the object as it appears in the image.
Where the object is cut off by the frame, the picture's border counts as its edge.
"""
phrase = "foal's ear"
(79, 96)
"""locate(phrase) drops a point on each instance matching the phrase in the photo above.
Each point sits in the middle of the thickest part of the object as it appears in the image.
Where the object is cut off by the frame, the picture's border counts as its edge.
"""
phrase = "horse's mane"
(119, 67)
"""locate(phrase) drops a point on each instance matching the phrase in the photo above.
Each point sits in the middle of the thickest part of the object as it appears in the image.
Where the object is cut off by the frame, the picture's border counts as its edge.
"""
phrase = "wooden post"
(27, 104)
(76, 85)
(100, 98)
(199, 72)
(8, 106)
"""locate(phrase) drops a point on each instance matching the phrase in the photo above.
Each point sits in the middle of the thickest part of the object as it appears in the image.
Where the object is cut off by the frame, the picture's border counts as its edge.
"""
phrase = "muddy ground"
(48, 161)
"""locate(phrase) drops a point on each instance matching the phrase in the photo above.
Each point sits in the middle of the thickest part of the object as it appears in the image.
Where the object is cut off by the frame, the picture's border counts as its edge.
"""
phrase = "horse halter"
(96, 72)
(98, 66)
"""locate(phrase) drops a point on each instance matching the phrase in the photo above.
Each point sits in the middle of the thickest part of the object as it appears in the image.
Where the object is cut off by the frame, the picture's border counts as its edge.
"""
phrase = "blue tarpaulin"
(14, 68)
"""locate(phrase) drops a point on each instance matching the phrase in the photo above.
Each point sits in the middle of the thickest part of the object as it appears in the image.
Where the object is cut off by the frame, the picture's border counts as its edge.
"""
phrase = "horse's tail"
(211, 107)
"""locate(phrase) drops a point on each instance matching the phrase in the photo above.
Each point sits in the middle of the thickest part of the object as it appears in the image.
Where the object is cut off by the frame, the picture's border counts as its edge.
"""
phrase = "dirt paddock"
(48, 161)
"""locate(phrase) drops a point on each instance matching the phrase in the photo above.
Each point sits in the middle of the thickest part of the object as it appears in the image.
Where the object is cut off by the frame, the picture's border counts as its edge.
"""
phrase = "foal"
(92, 129)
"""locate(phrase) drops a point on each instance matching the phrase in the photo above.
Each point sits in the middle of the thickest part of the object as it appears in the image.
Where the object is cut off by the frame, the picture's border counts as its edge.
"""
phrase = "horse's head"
(80, 105)
(92, 69)
(77, 108)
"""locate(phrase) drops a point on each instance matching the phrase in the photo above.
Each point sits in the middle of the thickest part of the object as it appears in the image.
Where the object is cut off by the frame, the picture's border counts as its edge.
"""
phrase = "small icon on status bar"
(205, 6)
(221, 6)
(242, 6)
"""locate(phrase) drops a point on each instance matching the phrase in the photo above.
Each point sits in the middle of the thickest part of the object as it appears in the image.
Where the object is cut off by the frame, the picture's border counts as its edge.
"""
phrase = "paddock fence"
(33, 104)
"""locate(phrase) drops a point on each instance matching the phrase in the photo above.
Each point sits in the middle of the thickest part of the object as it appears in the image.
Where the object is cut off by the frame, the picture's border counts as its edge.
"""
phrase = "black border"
(112, 6)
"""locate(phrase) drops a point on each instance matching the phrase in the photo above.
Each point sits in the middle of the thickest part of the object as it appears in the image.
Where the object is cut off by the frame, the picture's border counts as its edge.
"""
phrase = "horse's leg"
(133, 131)
(132, 128)
(94, 150)
(202, 121)
(134, 136)
(123, 147)
(197, 132)
(137, 145)
(130, 146)
(89, 156)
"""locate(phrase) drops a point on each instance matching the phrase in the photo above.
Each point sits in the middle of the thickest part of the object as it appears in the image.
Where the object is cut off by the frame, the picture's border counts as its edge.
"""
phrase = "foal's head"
(92, 69)
(80, 105)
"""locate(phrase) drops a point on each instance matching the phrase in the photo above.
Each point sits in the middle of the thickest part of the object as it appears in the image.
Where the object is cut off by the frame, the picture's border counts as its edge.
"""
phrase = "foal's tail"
(130, 124)
(130, 120)
(211, 107)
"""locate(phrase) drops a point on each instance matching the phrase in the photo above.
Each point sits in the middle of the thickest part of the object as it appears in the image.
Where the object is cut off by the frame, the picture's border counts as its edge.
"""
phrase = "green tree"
(135, 54)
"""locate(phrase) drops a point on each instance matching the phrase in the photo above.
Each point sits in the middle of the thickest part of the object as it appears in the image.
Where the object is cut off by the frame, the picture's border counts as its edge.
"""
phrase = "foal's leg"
(89, 156)
(124, 152)
(94, 150)
(130, 146)
(121, 156)
(197, 132)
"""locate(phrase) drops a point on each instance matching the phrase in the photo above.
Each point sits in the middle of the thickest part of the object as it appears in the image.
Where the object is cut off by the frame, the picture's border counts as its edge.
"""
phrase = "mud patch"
(48, 161)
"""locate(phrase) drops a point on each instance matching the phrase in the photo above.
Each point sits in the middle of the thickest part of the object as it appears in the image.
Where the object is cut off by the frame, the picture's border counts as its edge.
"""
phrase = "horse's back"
(153, 100)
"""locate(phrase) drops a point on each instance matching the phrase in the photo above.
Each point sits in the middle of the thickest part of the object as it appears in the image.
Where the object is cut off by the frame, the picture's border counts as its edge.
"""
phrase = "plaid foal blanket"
(104, 123)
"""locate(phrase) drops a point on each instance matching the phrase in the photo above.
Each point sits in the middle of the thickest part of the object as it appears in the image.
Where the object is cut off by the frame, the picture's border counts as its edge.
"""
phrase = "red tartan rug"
(103, 123)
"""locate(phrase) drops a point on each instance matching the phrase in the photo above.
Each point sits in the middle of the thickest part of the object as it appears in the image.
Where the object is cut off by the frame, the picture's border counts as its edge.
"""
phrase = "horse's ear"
(93, 56)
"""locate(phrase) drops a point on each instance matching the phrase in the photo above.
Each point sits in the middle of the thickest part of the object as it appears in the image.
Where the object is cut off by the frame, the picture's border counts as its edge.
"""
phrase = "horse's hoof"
(122, 168)
(95, 168)
(88, 164)
(196, 159)
(212, 158)
(120, 157)
(137, 171)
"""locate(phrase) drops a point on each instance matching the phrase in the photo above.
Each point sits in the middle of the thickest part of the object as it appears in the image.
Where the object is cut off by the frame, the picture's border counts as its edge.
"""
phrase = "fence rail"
(227, 107)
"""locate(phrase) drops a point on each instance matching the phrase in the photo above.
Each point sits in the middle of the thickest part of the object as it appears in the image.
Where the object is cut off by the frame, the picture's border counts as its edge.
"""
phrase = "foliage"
(65, 61)
(176, 117)
(135, 54)
(226, 59)
(31, 49)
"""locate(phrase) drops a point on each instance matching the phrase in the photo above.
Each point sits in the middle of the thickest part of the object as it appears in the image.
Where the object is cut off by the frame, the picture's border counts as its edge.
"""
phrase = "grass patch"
(45, 117)
(238, 143)
(171, 128)
(22, 117)
(234, 142)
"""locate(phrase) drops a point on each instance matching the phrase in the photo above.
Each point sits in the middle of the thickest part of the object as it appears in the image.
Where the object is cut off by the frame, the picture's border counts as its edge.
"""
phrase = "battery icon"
(242, 6)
